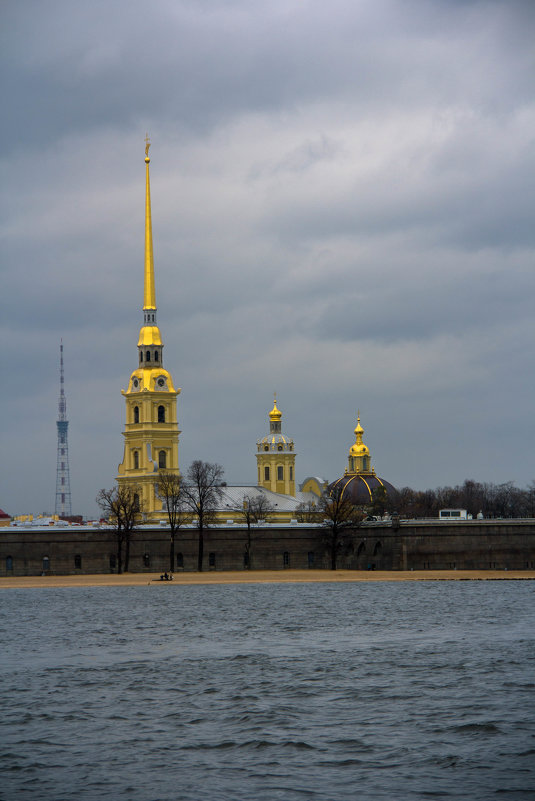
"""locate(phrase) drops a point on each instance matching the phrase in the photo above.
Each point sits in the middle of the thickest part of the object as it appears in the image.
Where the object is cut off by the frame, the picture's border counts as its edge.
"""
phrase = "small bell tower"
(275, 457)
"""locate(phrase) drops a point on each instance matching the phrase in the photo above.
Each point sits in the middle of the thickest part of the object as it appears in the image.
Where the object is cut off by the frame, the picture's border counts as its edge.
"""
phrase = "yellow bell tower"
(151, 431)
(275, 457)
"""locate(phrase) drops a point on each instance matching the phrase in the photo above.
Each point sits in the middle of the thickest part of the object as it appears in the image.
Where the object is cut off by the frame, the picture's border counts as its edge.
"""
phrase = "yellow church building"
(151, 432)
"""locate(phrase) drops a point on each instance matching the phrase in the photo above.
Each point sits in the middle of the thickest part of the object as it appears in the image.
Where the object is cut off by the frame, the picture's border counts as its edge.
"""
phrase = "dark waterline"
(311, 691)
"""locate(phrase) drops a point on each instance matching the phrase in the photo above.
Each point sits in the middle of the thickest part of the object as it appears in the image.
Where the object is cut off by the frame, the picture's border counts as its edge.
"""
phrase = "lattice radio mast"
(63, 483)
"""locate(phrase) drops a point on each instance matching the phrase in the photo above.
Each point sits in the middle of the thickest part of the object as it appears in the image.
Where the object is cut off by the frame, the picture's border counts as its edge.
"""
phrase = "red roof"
(3, 514)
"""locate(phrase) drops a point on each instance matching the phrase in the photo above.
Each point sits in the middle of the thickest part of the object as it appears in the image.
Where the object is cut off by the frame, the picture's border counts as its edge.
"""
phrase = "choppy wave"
(332, 692)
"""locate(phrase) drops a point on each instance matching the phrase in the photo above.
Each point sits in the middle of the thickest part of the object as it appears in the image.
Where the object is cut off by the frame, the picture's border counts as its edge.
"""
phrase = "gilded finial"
(147, 145)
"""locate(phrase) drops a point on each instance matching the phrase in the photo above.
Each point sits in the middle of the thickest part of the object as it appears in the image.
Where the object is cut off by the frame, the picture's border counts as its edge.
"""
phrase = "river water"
(260, 692)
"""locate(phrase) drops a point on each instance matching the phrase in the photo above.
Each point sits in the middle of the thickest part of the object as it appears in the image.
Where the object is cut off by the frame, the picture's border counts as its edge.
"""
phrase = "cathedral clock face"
(161, 382)
(135, 383)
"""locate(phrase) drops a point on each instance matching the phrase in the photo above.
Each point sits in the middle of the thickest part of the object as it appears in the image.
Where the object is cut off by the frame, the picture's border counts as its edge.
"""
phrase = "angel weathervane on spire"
(147, 145)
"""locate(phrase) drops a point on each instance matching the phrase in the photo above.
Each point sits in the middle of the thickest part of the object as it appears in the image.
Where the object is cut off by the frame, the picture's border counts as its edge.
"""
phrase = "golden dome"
(149, 335)
(359, 449)
(359, 453)
(275, 414)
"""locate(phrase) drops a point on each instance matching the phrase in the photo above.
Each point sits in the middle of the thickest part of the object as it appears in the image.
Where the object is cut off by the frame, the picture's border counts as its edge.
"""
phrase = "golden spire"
(149, 298)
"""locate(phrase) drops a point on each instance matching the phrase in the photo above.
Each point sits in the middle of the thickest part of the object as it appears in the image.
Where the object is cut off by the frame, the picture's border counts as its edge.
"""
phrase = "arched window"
(279, 447)
(161, 459)
(266, 447)
(364, 462)
(146, 560)
(155, 355)
(140, 355)
(311, 558)
(291, 473)
(211, 559)
(46, 564)
(136, 414)
(161, 414)
(147, 356)
(136, 502)
(180, 560)
(286, 559)
(246, 559)
(378, 548)
(266, 473)
(9, 564)
(136, 460)
(361, 549)
(280, 473)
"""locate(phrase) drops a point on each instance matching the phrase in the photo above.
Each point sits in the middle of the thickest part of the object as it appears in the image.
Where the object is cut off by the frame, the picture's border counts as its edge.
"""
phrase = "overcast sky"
(342, 199)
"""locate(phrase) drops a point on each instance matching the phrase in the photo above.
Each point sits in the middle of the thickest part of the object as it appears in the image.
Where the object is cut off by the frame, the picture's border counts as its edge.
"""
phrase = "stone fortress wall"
(408, 545)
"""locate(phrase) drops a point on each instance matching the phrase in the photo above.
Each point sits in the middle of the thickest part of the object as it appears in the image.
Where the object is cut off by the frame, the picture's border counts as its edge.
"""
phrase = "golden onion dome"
(275, 414)
(359, 449)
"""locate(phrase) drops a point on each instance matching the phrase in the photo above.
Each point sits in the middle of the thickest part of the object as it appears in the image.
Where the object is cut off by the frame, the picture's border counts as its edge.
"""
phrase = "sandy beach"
(260, 577)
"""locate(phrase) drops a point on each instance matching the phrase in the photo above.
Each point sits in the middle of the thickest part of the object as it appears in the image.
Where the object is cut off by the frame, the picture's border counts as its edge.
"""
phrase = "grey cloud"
(341, 209)
(72, 68)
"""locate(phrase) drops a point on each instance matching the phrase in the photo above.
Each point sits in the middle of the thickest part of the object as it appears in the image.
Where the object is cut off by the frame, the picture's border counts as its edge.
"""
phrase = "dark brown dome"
(359, 488)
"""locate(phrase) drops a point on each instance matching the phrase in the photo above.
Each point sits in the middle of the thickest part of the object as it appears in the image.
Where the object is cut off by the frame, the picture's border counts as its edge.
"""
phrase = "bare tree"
(121, 506)
(382, 502)
(202, 491)
(339, 514)
(309, 512)
(170, 492)
(254, 509)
